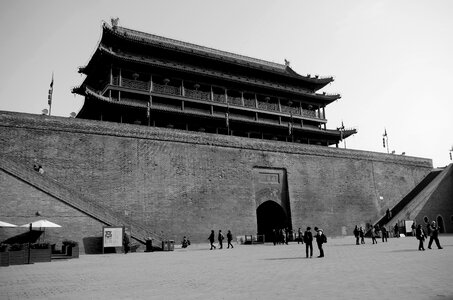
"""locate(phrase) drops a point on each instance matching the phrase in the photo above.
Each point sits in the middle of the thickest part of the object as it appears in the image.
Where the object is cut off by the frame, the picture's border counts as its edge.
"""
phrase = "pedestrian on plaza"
(356, 234)
(362, 235)
(420, 235)
(308, 239)
(126, 243)
(396, 230)
(185, 242)
(220, 238)
(434, 236)
(373, 235)
(286, 232)
(300, 236)
(229, 239)
(384, 233)
(211, 239)
(274, 236)
(413, 227)
(320, 239)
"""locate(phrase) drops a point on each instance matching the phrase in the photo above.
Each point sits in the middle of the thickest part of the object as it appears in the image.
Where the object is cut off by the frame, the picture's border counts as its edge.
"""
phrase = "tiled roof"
(164, 42)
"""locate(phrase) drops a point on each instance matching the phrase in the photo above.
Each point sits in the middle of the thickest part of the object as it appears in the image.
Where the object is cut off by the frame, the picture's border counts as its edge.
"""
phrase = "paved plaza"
(393, 270)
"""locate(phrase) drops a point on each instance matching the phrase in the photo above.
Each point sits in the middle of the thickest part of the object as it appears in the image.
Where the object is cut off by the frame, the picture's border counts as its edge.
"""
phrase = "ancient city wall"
(186, 183)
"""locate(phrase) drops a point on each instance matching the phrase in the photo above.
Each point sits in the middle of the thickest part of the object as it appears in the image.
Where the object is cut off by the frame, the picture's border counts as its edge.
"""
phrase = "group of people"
(220, 238)
(433, 233)
(307, 239)
(432, 230)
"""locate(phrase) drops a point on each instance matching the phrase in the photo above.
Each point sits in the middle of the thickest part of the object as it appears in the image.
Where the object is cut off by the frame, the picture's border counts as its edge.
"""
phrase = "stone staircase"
(411, 204)
(75, 199)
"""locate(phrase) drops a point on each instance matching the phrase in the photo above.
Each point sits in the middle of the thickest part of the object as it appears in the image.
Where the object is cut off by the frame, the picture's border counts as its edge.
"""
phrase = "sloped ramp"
(412, 208)
(75, 199)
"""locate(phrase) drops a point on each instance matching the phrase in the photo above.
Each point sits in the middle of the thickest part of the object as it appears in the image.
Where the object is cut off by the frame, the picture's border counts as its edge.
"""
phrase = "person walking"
(384, 233)
(308, 239)
(420, 235)
(373, 235)
(356, 234)
(300, 236)
(126, 243)
(320, 239)
(396, 230)
(220, 238)
(414, 229)
(434, 236)
(362, 235)
(211, 239)
(229, 239)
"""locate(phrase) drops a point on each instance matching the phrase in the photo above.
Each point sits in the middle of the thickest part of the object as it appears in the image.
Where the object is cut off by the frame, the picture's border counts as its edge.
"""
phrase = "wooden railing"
(220, 98)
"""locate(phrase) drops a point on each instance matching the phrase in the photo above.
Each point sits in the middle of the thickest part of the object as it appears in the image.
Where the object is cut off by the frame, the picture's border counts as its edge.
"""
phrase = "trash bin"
(149, 245)
(168, 245)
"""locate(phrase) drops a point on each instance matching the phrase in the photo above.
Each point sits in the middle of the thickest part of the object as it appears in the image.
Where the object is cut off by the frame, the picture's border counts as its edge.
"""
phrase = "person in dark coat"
(384, 233)
(356, 234)
(220, 238)
(211, 239)
(362, 235)
(420, 235)
(229, 239)
(434, 236)
(396, 229)
(126, 243)
(308, 239)
(320, 239)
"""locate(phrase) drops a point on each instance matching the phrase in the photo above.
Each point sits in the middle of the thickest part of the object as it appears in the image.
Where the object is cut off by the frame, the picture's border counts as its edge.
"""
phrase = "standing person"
(126, 243)
(362, 235)
(434, 235)
(356, 234)
(373, 235)
(308, 239)
(420, 235)
(229, 239)
(211, 239)
(320, 239)
(413, 227)
(384, 233)
(396, 229)
(220, 238)
(300, 236)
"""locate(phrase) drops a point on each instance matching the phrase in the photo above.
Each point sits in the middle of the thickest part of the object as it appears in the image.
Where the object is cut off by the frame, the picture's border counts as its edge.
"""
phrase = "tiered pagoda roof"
(273, 93)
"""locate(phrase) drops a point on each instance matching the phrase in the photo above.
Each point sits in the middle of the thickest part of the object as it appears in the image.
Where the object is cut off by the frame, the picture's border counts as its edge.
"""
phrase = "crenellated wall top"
(61, 124)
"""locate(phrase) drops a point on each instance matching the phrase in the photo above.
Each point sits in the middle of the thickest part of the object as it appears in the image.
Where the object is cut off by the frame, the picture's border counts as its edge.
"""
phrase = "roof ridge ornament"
(115, 22)
(287, 62)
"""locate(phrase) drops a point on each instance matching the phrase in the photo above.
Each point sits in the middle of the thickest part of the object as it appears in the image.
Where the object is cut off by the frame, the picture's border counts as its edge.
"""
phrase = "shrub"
(40, 246)
(16, 247)
(70, 243)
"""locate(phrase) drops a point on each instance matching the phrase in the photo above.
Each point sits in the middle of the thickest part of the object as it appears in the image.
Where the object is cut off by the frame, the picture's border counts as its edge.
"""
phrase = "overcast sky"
(392, 60)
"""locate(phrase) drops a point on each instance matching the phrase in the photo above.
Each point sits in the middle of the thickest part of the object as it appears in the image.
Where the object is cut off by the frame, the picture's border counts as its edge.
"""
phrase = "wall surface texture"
(186, 183)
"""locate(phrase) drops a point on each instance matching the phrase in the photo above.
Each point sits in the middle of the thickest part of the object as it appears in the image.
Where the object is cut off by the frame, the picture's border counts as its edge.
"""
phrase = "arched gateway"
(270, 216)
(272, 201)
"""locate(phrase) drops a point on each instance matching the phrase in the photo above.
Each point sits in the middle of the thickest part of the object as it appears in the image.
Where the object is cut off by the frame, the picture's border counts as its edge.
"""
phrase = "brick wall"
(185, 183)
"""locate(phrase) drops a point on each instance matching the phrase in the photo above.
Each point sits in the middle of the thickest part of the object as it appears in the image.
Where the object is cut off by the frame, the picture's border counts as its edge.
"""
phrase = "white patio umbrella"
(41, 224)
(5, 224)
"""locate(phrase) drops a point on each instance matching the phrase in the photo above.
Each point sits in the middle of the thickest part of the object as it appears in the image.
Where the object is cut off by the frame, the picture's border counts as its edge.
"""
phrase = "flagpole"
(49, 98)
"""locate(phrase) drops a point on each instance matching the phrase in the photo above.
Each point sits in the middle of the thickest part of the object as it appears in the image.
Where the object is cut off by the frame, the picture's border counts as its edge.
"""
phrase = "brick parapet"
(41, 122)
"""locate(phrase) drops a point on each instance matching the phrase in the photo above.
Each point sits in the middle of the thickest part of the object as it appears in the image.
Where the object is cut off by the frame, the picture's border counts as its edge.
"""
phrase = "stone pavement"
(393, 270)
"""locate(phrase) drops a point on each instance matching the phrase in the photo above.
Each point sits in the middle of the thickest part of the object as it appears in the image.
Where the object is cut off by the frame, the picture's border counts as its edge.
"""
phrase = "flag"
(49, 98)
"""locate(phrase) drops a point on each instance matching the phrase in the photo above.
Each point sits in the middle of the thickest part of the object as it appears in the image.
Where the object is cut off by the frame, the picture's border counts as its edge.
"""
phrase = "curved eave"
(325, 98)
(193, 49)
